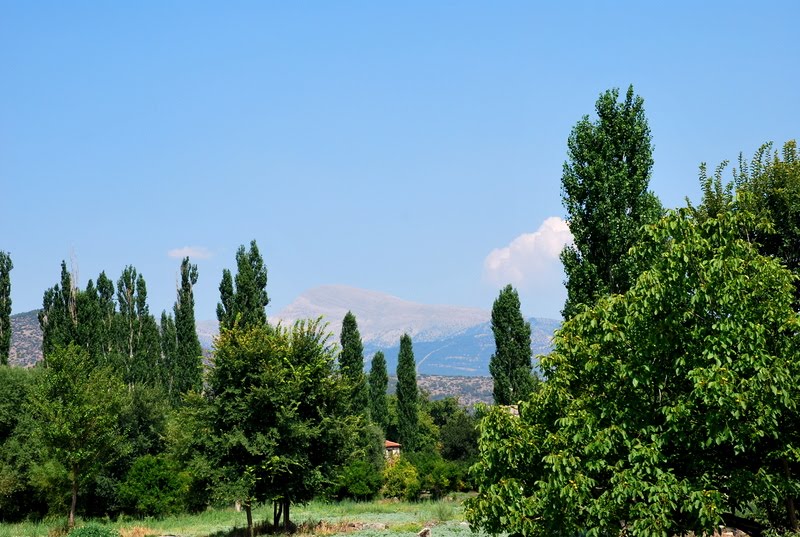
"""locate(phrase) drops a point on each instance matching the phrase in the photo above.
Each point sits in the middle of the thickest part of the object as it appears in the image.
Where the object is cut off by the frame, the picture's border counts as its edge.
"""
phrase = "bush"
(93, 529)
(437, 475)
(154, 487)
(360, 481)
(401, 480)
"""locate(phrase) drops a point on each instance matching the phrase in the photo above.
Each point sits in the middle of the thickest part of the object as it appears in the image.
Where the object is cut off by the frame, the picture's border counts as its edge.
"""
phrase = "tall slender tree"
(58, 317)
(5, 306)
(189, 361)
(604, 189)
(138, 339)
(407, 396)
(244, 296)
(510, 364)
(351, 362)
(169, 356)
(378, 384)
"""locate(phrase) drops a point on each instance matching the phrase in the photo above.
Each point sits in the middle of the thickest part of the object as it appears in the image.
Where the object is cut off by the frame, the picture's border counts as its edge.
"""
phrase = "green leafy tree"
(138, 339)
(407, 396)
(351, 362)
(510, 365)
(278, 417)
(378, 384)
(604, 189)
(154, 486)
(75, 406)
(670, 409)
(188, 362)
(5, 306)
(18, 453)
(58, 317)
(767, 187)
(169, 356)
(244, 296)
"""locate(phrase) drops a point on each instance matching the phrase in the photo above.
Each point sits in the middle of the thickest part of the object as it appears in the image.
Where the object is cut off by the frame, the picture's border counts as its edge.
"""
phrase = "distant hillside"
(466, 353)
(382, 318)
(468, 390)
(26, 339)
(448, 340)
(451, 344)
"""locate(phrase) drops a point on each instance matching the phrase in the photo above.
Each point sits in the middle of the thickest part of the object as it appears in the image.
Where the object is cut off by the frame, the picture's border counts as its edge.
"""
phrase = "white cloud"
(531, 264)
(194, 252)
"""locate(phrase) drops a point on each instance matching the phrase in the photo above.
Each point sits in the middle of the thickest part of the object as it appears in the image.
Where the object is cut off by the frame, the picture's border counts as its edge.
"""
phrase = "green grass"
(381, 518)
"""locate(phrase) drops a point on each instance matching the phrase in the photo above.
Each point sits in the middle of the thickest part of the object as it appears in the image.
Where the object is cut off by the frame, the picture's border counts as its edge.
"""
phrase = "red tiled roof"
(389, 443)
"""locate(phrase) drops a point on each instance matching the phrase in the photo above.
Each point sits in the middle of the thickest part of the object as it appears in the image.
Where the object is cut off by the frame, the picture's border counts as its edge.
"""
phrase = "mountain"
(466, 353)
(382, 318)
(448, 340)
(26, 339)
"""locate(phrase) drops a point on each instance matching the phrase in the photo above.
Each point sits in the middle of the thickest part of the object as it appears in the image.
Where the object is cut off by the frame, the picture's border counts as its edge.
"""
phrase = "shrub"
(401, 480)
(93, 529)
(154, 487)
(360, 481)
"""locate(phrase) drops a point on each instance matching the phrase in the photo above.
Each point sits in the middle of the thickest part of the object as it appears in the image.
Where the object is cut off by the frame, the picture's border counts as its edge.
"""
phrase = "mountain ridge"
(448, 340)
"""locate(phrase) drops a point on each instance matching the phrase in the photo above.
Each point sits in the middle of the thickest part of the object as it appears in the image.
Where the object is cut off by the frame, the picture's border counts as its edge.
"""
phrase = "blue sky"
(389, 146)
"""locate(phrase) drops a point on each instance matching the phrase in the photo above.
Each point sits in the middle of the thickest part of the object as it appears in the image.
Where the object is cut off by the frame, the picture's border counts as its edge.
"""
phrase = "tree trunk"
(286, 515)
(277, 509)
(789, 500)
(248, 509)
(71, 523)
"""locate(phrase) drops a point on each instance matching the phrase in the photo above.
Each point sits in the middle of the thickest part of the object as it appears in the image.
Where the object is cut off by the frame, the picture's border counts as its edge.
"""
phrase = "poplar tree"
(189, 360)
(407, 397)
(58, 317)
(244, 296)
(5, 306)
(169, 353)
(510, 365)
(378, 384)
(604, 189)
(138, 341)
(351, 362)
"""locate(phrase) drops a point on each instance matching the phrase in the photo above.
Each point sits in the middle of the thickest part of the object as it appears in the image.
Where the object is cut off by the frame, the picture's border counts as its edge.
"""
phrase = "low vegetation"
(379, 518)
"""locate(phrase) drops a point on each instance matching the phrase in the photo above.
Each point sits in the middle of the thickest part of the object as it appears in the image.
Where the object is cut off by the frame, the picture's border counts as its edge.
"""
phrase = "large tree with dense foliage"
(5, 306)
(17, 453)
(75, 405)
(279, 420)
(351, 362)
(669, 409)
(378, 385)
(510, 365)
(244, 297)
(604, 189)
(407, 396)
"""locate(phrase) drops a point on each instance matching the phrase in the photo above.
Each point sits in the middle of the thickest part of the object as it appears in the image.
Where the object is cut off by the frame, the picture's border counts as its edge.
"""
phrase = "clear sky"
(413, 148)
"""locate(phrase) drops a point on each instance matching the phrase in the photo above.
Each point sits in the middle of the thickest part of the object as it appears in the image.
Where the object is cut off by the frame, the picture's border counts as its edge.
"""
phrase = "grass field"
(382, 518)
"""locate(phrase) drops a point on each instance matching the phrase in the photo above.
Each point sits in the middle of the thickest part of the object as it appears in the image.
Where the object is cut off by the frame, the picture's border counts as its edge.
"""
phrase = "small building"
(391, 449)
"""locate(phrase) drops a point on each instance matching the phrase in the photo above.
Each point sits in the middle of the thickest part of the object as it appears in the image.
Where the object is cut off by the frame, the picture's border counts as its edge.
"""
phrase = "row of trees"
(670, 401)
(123, 417)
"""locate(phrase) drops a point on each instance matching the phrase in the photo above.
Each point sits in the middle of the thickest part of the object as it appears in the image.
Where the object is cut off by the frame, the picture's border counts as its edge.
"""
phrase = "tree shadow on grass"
(259, 528)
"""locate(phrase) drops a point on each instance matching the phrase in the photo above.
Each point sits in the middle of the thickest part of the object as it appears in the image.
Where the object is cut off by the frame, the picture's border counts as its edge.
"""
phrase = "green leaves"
(5, 306)
(278, 413)
(510, 365)
(665, 407)
(407, 396)
(604, 190)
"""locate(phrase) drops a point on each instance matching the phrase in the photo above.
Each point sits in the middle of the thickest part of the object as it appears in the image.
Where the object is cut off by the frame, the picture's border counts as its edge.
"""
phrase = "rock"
(425, 532)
